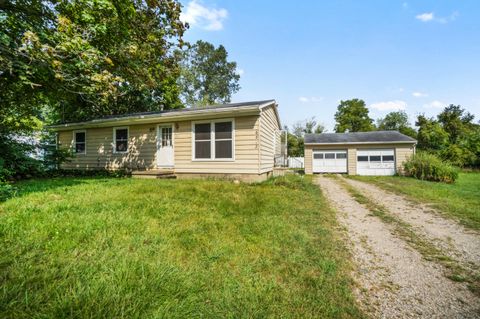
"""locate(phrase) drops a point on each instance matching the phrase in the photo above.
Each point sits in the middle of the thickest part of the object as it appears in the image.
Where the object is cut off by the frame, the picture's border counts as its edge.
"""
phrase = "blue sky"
(413, 55)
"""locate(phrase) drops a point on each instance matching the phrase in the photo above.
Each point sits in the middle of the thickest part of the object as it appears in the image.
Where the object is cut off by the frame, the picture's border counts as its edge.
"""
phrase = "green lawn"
(460, 200)
(127, 248)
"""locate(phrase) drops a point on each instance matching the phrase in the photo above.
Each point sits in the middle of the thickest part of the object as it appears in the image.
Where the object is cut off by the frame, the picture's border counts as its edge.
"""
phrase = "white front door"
(165, 146)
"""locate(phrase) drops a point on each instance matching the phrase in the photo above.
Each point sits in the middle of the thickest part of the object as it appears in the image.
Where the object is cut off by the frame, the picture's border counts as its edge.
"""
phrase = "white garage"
(358, 153)
(376, 162)
(329, 161)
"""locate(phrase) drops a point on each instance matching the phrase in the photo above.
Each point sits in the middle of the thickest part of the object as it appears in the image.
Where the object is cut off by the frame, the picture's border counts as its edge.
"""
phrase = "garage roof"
(375, 137)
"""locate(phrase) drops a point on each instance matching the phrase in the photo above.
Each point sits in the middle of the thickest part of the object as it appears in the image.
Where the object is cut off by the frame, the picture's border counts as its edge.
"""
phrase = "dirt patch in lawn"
(394, 280)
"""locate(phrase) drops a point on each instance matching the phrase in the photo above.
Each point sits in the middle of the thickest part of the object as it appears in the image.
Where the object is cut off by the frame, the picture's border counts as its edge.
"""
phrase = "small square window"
(342, 155)
(375, 158)
(329, 155)
(318, 156)
(362, 158)
(387, 158)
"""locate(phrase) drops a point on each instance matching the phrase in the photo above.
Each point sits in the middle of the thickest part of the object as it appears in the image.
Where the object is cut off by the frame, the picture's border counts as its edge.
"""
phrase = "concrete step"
(155, 173)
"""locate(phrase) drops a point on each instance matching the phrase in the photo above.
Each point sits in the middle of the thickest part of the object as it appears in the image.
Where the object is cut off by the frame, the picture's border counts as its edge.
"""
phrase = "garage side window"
(80, 142)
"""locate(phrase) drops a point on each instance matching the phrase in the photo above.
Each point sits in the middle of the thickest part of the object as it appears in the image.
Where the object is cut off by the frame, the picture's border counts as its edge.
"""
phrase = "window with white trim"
(120, 139)
(80, 142)
(213, 140)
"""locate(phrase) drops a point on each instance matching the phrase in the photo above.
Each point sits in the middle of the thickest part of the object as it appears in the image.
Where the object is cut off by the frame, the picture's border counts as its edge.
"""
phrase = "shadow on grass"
(26, 187)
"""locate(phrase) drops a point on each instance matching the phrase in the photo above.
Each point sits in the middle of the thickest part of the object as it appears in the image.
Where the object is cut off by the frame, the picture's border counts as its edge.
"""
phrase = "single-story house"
(359, 153)
(237, 140)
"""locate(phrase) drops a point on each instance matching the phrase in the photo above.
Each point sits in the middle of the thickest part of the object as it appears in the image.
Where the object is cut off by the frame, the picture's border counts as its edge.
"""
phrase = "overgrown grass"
(453, 269)
(460, 200)
(127, 248)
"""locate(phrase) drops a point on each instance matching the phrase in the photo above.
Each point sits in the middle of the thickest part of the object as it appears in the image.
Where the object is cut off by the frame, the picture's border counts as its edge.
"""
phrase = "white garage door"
(329, 161)
(376, 162)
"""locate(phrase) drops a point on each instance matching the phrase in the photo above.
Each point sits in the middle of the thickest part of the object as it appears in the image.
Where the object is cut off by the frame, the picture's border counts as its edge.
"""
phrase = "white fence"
(296, 162)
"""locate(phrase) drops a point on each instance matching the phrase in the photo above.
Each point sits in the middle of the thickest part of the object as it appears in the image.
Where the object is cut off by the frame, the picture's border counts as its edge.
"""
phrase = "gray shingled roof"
(187, 109)
(358, 137)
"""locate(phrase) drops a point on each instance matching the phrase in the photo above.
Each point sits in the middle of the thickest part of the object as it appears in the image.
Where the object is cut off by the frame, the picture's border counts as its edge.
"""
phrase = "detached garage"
(360, 153)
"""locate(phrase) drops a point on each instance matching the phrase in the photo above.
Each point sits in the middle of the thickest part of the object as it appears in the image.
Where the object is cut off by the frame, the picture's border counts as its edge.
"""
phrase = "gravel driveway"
(393, 279)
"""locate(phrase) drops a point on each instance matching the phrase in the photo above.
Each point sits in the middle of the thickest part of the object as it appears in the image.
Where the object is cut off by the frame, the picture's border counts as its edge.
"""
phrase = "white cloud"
(430, 16)
(389, 105)
(313, 99)
(434, 105)
(240, 71)
(419, 94)
(425, 17)
(197, 15)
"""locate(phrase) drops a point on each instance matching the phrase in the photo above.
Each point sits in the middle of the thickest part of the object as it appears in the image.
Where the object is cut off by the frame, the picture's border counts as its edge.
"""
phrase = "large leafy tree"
(87, 58)
(396, 121)
(452, 135)
(353, 116)
(207, 75)
(74, 60)
(456, 121)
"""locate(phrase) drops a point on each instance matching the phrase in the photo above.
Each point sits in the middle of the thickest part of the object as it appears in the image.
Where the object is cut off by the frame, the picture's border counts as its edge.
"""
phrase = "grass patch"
(453, 270)
(460, 200)
(131, 248)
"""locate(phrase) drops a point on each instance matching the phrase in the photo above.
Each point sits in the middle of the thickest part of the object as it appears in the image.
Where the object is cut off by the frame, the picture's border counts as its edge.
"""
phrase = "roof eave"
(356, 143)
(162, 117)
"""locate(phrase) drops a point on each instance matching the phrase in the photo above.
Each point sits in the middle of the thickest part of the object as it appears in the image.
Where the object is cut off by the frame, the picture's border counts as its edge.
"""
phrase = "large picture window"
(120, 136)
(213, 140)
(80, 142)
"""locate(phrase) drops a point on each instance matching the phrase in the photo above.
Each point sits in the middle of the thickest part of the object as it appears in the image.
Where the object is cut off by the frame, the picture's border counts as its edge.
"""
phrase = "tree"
(87, 59)
(207, 77)
(295, 140)
(352, 116)
(75, 60)
(307, 126)
(396, 121)
(456, 121)
(431, 135)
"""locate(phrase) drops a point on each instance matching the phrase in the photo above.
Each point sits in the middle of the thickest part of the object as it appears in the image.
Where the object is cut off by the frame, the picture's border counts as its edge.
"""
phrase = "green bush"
(6, 191)
(429, 167)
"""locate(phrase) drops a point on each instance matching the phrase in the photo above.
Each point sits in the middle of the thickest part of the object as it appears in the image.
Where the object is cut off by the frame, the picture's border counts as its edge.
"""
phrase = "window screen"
(223, 140)
(80, 142)
(341, 155)
(203, 140)
(121, 140)
(329, 155)
(387, 158)
(375, 158)
(318, 156)
(362, 158)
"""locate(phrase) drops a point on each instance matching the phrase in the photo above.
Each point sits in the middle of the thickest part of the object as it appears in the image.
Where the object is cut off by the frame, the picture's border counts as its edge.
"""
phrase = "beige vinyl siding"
(308, 158)
(99, 148)
(402, 152)
(245, 148)
(269, 139)
(142, 149)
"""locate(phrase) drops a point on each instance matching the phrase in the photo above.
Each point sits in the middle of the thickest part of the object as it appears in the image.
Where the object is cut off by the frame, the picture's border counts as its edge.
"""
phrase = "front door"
(165, 146)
